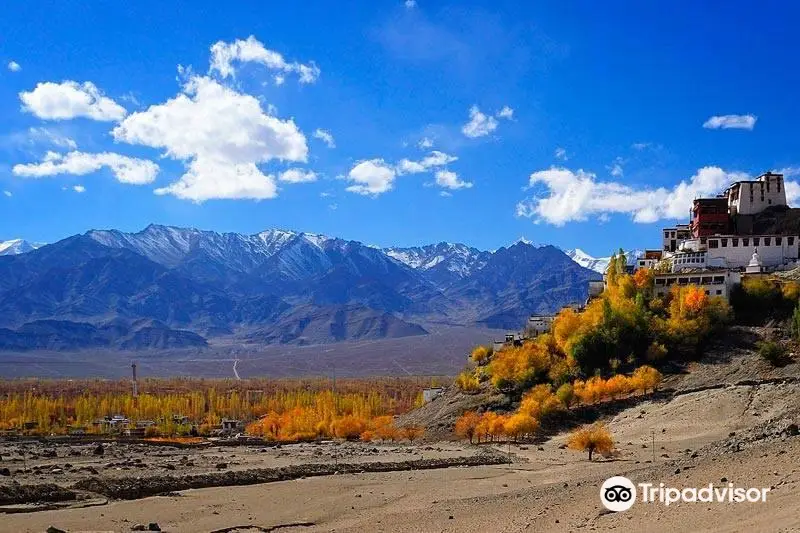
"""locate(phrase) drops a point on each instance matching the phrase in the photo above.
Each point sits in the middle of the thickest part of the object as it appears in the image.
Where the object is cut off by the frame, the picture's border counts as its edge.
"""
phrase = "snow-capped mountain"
(600, 264)
(458, 260)
(169, 286)
(18, 246)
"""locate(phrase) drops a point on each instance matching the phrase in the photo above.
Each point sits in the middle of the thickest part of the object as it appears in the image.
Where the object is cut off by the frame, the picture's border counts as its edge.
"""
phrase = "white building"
(672, 237)
(751, 197)
(713, 282)
(539, 324)
(777, 252)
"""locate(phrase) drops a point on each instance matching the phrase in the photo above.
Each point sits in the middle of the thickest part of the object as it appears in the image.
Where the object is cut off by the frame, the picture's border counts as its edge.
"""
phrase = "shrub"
(566, 394)
(412, 432)
(773, 352)
(481, 354)
(467, 382)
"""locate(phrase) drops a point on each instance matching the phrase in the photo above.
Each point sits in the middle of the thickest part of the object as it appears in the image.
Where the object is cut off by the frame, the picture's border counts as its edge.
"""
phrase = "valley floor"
(547, 488)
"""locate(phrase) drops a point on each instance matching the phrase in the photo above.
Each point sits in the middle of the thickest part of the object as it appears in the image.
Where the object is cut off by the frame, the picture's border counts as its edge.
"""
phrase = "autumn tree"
(467, 425)
(594, 438)
(412, 432)
(520, 424)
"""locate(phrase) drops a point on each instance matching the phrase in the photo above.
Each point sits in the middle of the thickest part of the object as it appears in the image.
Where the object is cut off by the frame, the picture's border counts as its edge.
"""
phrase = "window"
(702, 240)
(707, 293)
(745, 242)
(719, 279)
(790, 241)
(666, 235)
(666, 247)
(755, 241)
(767, 241)
(660, 281)
(713, 243)
(735, 242)
(778, 241)
(706, 281)
(724, 243)
(719, 291)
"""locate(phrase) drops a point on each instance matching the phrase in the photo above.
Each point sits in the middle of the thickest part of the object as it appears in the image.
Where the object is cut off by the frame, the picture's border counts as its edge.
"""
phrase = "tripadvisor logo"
(618, 493)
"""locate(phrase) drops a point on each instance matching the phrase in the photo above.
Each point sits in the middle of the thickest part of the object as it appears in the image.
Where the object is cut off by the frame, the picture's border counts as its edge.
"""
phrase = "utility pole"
(653, 443)
(134, 384)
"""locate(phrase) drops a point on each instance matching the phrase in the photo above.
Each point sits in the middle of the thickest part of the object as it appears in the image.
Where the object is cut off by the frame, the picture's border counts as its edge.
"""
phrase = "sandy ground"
(547, 488)
(31, 462)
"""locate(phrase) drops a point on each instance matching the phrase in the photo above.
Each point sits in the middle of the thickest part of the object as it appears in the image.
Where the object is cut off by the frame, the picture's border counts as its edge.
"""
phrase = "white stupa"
(755, 266)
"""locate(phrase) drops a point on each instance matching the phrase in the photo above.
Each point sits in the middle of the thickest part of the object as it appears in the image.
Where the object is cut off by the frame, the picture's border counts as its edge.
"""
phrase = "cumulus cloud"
(561, 154)
(450, 180)
(434, 159)
(725, 122)
(479, 124)
(13, 66)
(125, 169)
(297, 175)
(225, 55)
(70, 99)
(221, 135)
(371, 177)
(79, 189)
(8, 194)
(506, 112)
(425, 143)
(566, 196)
(326, 137)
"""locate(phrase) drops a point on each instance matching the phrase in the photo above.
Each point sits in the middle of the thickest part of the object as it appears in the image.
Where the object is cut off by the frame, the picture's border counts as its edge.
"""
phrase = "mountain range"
(168, 287)
(600, 264)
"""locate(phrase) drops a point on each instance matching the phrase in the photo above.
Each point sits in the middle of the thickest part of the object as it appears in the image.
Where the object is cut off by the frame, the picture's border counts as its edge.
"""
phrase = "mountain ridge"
(275, 286)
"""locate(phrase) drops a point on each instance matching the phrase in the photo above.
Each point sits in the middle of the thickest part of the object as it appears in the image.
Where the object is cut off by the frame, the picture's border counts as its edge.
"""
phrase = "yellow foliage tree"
(594, 438)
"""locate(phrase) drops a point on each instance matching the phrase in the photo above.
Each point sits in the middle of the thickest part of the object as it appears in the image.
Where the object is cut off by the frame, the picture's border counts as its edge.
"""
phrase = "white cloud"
(69, 99)
(8, 193)
(280, 79)
(333, 207)
(13, 66)
(371, 177)
(739, 122)
(450, 180)
(410, 4)
(326, 137)
(434, 159)
(789, 172)
(297, 175)
(479, 124)
(125, 169)
(575, 196)
(48, 136)
(792, 193)
(561, 154)
(79, 189)
(221, 135)
(506, 112)
(640, 146)
(223, 55)
(425, 143)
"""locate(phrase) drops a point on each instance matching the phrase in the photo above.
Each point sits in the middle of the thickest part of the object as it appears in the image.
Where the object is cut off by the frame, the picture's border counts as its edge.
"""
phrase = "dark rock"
(153, 526)
(99, 450)
(53, 529)
(222, 466)
(723, 480)
(5, 472)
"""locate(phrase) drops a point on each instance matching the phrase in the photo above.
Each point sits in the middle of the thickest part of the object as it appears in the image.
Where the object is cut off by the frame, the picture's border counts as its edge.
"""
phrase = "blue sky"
(589, 130)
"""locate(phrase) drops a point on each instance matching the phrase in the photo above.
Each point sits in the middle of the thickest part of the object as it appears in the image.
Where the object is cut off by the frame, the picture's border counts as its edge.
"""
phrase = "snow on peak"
(18, 246)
